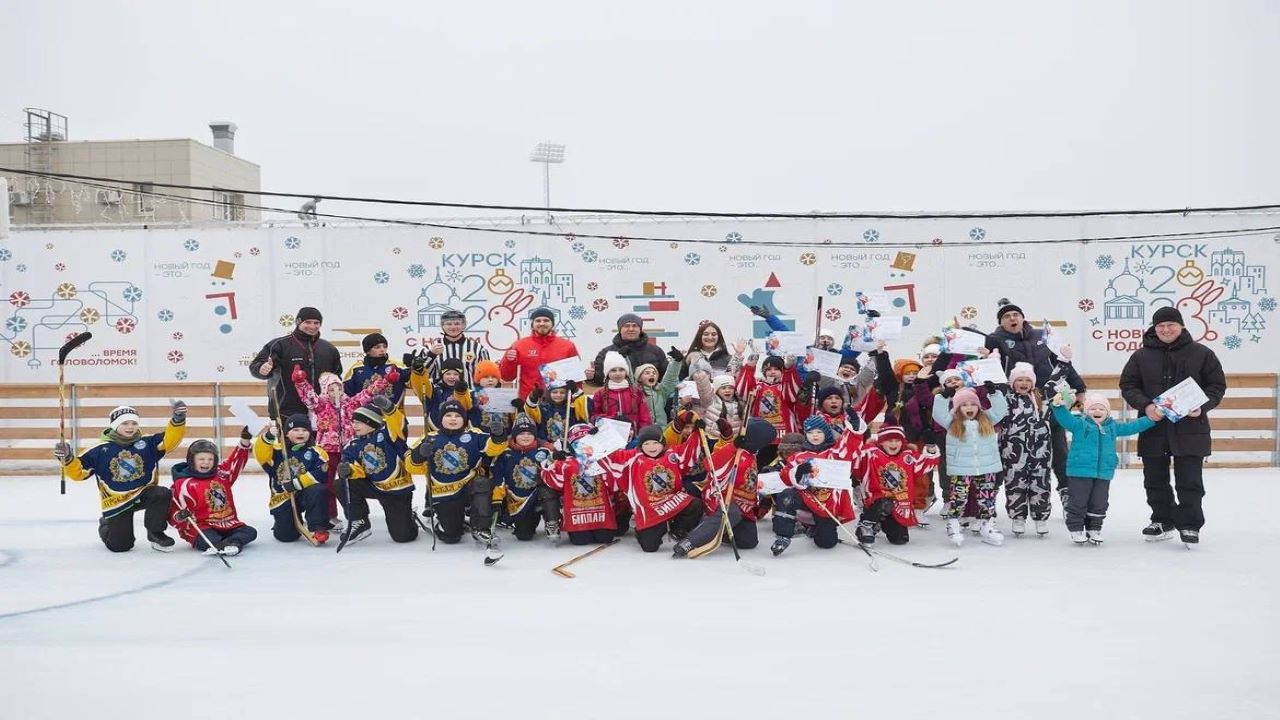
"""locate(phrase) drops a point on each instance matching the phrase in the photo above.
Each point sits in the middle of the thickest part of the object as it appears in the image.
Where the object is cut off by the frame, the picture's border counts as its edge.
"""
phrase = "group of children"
(690, 472)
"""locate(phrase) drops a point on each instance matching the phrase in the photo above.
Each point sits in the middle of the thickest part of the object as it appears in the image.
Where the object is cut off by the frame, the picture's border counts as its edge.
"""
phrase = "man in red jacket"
(540, 347)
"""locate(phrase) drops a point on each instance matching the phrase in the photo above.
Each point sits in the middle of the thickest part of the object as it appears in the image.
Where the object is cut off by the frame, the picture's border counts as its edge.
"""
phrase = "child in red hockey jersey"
(890, 470)
(202, 498)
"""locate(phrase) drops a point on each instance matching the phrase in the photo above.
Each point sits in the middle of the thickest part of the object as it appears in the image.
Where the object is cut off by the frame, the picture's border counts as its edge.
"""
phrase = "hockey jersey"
(774, 402)
(124, 469)
(817, 499)
(893, 476)
(653, 486)
(452, 458)
(518, 471)
(549, 416)
(207, 496)
(585, 500)
(433, 395)
(379, 458)
(307, 463)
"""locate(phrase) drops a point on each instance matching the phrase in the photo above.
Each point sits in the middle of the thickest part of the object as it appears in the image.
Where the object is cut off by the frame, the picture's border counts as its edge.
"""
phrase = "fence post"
(1275, 437)
(217, 414)
(75, 417)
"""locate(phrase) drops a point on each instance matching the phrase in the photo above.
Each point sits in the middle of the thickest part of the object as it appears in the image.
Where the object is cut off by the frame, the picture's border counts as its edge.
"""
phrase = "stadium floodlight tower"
(547, 153)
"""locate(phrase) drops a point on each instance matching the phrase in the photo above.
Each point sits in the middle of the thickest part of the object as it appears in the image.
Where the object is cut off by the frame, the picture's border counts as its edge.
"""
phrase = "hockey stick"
(191, 519)
(63, 352)
(288, 469)
(491, 553)
(562, 568)
(724, 506)
(875, 566)
(817, 323)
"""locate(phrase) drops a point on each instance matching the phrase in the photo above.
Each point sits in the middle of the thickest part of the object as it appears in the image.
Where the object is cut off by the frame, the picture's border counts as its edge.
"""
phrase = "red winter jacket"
(208, 498)
(628, 403)
(530, 352)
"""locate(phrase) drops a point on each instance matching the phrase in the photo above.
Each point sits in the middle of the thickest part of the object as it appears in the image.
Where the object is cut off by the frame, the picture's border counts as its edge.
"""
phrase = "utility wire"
(677, 213)
(814, 244)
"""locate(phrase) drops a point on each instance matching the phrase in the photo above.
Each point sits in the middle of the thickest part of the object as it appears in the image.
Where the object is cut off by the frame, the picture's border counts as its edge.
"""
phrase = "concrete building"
(140, 164)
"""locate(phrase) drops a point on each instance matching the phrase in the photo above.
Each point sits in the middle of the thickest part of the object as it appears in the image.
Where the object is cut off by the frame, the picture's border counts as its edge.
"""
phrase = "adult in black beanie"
(1168, 356)
(302, 348)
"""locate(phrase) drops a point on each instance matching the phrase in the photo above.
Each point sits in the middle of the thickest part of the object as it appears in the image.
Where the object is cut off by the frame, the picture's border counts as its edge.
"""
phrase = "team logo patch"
(126, 467)
(465, 437)
(141, 444)
(307, 455)
(374, 459)
(525, 476)
(660, 481)
(450, 459)
(216, 497)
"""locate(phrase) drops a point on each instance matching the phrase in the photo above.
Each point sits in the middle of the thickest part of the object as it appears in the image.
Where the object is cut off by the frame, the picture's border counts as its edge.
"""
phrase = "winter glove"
(498, 433)
(760, 311)
(179, 411)
(801, 474)
(947, 391)
(675, 354)
(419, 454)
(559, 455)
(989, 386)
(299, 375)
(572, 386)
(699, 424)
(535, 395)
(518, 404)
(62, 451)
(418, 361)
(344, 470)
(393, 375)
(724, 428)
(245, 434)
(382, 404)
(182, 515)
(594, 429)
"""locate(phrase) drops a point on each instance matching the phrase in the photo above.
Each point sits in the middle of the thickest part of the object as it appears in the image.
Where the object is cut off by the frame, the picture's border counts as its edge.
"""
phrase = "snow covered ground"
(1037, 628)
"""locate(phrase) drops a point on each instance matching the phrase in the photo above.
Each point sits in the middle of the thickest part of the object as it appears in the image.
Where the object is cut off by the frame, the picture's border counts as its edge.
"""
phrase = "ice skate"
(336, 526)
(1095, 536)
(682, 548)
(991, 535)
(1078, 537)
(865, 532)
(922, 520)
(780, 545)
(1155, 532)
(955, 532)
(1042, 527)
(1019, 527)
(1189, 537)
(231, 549)
(160, 541)
(356, 531)
(553, 531)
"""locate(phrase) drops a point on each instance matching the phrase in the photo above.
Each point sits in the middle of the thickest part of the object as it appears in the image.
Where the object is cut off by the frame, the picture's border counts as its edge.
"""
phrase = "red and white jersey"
(653, 486)
(586, 500)
(775, 403)
(208, 498)
(836, 502)
(894, 477)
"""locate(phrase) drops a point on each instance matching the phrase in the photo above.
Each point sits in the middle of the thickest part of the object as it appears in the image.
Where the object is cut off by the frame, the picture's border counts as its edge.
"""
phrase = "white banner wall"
(197, 303)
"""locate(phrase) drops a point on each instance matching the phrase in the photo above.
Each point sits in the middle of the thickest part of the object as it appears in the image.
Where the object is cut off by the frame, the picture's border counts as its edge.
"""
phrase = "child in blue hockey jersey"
(372, 468)
(298, 485)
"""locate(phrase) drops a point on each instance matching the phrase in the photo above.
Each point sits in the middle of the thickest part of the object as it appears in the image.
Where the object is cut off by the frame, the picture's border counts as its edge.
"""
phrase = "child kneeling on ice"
(203, 510)
(829, 506)
(584, 500)
(973, 457)
(652, 478)
(372, 467)
(1091, 462)
(889, 473)
(732, 480)
(296, 469)
(517, 468)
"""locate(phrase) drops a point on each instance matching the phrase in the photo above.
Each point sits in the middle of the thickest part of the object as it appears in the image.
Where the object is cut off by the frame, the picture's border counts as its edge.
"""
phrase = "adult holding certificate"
(540, 347)
(1169, 356)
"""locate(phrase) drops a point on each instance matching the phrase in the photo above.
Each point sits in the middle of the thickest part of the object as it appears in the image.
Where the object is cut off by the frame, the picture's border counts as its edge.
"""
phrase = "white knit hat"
(121, 415)
(720, 381)
(615, 360)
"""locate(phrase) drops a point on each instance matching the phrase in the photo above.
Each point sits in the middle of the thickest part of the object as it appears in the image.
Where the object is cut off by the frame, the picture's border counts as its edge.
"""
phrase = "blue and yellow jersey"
(379, 458)
(308, 463)
(550, 416)
(359, 376)
(432, 398)
(453, 457)
(123, 470)
(519, 473)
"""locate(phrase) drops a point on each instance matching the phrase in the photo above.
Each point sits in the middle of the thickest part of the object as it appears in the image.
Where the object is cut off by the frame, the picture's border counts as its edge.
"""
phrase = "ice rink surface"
(1038, 628)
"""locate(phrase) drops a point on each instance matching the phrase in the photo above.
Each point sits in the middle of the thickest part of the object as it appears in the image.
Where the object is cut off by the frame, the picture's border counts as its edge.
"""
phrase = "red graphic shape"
(910, 289)
(231, 301)
(772, 281)
(664, 305)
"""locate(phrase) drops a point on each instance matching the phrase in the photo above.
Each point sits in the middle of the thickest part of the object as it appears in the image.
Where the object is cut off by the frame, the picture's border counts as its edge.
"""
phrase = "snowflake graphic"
(937, 241)
(119, 255)
(191, 245)
(733, 237)
(182, 375)
(60, 267)
(673, 246)
(968, 312)
(589, 256)
(1104, 262)
(165, 315)
(570, 237)
(453, 276)
(692, 258)
(578, 247)
(871, 235)
(723, 248)
(1085, 305)
(220, 368)
(15, 324)
(395, 251)
(6, 254)
(835, 289)
(977, 233)
(293, 243)
(382, 277)
(1142, 267)
(600, 304)
(577, 312)
(436, 243)
(1233, 342)
(508, 244)
(237, 254)
(1067, 268)
(708, 291)
(125, 325)
(593, 286)
(21, 267)
(21, 349)
(1267, 304)
(417, 270)
(177, 336)
(254, 251)
(621, 243)
(285, 320)
(89, 316)
(19, 298)
(133, 293)
(399, 312)
(175, 356)
(808, 259)
(832, 314)
(66, 291)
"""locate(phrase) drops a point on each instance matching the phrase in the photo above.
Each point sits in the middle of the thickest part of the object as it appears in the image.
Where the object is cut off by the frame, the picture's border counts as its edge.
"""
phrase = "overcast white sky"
(686, 105)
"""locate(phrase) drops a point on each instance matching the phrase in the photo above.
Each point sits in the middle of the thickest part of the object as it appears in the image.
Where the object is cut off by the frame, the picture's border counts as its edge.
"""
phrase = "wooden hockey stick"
(563, 568)
(63, 352)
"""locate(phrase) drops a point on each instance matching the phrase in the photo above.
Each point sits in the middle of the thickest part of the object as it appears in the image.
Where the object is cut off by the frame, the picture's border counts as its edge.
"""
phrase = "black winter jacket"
(637, 353)
(1156, 367)
(313, 354)
(1029, 347)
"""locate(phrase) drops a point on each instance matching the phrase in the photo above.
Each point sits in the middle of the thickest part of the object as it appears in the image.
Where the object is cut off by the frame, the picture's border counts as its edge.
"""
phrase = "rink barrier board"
(1245, 424)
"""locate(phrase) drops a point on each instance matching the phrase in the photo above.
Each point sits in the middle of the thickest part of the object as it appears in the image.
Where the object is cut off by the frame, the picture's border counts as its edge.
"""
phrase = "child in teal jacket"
(973, 457)
(1092, 461)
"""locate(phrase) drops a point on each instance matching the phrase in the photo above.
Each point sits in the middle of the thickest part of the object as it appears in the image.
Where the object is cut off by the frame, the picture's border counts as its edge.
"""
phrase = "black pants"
(117, 532)
(526, 524)
(1058, 436)
(397, 507)
(451, 513)
(592, 537)
(880, 517)
(650, 539)
(1088, 505)
(313, 504)
(745, 534)
(1188, 480)
(825, 533)
(241, 536)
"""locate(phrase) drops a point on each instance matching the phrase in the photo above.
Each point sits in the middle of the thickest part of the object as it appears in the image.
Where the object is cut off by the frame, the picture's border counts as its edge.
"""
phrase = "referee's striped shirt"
(467, 349)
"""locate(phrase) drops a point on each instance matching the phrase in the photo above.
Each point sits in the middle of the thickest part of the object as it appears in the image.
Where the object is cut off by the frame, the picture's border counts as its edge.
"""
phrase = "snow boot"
(955, 532)
(1019, 527)
(991, 535)
(160, 541)
(1156, 532)
(780, 544)
(1078, 537)
(1095, 536)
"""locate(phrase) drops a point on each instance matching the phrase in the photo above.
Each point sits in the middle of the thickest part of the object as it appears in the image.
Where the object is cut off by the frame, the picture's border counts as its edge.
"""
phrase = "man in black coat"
(302, 347)
(1167, 357)
(1019, 342)
(632, 343)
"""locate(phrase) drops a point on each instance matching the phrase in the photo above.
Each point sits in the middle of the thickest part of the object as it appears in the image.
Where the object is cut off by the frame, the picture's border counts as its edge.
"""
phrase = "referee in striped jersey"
(453, 344)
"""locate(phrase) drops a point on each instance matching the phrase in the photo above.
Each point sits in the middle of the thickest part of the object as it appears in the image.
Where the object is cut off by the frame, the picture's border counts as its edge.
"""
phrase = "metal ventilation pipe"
(224, 135)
